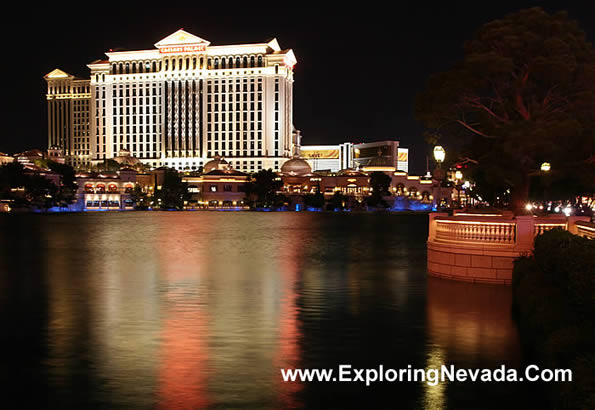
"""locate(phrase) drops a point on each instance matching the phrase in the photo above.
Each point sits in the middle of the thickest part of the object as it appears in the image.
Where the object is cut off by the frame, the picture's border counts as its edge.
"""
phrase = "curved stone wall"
(482, 249)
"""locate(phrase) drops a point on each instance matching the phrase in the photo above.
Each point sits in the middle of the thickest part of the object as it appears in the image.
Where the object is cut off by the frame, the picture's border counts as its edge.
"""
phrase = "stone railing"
(482, 248)
(476, 230)
(585, 228)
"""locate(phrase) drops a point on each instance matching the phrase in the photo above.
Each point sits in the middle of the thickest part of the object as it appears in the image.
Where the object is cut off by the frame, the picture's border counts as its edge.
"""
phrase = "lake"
(203, 309)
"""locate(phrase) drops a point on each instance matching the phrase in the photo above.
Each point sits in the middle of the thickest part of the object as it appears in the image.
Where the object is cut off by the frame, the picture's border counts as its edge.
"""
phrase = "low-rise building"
(5, 158)
(218, 187)
(105, 191)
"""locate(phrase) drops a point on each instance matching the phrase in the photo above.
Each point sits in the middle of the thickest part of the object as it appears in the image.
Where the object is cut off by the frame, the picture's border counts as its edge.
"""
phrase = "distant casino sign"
(183, 49)
(320, 154)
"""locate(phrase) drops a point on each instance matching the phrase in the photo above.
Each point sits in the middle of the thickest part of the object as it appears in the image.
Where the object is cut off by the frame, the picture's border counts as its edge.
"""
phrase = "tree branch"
(470, 128)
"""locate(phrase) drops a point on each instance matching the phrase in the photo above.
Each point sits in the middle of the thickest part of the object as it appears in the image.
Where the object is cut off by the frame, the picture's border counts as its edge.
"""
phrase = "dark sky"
(359, 67)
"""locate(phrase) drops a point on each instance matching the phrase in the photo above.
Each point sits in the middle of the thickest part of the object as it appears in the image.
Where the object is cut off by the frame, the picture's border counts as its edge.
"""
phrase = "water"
(202, 309)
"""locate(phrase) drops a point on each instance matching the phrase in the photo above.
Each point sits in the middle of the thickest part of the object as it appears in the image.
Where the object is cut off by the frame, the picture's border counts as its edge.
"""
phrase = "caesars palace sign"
(195, 48)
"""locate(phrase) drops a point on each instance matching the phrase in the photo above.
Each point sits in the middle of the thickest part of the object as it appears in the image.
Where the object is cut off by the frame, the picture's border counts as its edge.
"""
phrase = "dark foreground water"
(191, 310)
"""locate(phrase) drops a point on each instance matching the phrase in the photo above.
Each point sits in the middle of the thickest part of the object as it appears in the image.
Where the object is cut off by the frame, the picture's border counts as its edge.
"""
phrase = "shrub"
(553, 301)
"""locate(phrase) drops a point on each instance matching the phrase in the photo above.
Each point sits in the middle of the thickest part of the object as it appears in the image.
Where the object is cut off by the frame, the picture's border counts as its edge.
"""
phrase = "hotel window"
(213, 188)
(227, 188)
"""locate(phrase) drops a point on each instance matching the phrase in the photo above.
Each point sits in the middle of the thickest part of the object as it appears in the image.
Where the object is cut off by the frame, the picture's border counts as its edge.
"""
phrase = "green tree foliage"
(140, 198)
(522, 95)
(338, 201)
(380, 183)
(261, 190)
(173, 192)
(315, 200)
(554, 304)
(26, 189)
(68, 186)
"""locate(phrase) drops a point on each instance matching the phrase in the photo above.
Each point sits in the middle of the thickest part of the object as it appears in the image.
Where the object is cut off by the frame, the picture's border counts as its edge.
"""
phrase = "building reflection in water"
(187, 310)
(469, 326)
(183, 357)
(229, 322)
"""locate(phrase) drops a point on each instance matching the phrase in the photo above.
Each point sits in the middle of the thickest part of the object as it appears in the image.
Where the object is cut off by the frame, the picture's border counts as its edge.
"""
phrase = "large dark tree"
(173, 191)
(380, 184)
(523, 94)
(261, 190)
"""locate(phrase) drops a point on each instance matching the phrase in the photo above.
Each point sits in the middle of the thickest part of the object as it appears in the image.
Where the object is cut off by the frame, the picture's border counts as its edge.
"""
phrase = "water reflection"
(470, 326)
(472, 322)
(192, 310)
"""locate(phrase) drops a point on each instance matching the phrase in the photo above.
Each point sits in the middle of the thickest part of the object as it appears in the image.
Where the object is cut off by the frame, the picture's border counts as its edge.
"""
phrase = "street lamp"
(439, 154)
(458, 177)
(546, 166)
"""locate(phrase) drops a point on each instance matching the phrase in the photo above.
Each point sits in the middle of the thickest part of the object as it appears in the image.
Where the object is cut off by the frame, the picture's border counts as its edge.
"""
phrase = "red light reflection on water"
(288, 352)
(183, 367)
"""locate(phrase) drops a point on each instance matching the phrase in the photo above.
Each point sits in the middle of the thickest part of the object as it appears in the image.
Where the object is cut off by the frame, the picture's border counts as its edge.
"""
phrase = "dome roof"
(124, 158)
(296, 166)
(214, 164)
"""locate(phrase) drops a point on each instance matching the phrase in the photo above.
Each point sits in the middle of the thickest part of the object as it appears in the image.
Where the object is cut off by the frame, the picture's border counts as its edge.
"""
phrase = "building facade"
(365, 153)
(180, 104)
(105, 191)
(331, 158)
(69, 99)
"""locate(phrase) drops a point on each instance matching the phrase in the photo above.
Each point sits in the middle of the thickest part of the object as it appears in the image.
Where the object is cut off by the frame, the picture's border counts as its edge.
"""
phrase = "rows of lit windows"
(66, 87)
(100, 123)
(80, 126)
(183, 107)
(136, 112)
(185, 63)
(235, 117)
(245, 166)
(276, 111)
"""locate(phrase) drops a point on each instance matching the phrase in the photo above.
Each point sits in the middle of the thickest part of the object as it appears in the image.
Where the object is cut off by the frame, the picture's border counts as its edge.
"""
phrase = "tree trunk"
(520, 196)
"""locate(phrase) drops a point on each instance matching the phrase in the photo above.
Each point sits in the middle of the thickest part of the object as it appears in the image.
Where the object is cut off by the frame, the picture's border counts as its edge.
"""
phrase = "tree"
(261, 190)
(379, 182)
(338, 201)
(68, 186)
(139, 197)
(522, 95)
(315, 200)
(26, 189)
(173, 191)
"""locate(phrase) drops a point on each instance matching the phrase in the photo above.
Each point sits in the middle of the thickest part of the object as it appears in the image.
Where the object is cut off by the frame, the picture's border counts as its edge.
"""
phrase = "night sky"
(359, 67)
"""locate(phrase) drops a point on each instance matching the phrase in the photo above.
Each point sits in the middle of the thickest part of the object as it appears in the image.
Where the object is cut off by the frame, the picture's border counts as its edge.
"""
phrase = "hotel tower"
(178, 105)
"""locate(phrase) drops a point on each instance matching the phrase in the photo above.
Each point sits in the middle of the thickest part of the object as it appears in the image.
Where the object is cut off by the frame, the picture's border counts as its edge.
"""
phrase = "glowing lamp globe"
(546, 166)
(439, 153)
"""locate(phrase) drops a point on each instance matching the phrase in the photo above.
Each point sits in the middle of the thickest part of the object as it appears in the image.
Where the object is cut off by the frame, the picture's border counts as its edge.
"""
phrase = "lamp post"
(458, 178)
(545, 169)
(439, 155)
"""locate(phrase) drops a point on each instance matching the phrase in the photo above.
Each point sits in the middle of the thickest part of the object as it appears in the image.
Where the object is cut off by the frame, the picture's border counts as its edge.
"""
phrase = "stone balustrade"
(585, 228)
(482, 248)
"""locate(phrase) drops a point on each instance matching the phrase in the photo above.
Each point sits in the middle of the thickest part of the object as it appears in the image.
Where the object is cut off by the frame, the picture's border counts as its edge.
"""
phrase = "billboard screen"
(320, 154)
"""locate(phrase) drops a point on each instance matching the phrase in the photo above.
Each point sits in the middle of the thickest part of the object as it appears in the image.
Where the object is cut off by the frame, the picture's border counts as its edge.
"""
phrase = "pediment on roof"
(181, 38)
(57, 73)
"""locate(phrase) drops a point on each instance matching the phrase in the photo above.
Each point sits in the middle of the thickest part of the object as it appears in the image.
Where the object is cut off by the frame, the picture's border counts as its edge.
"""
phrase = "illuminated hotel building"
(68, 99)
(180, 104)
